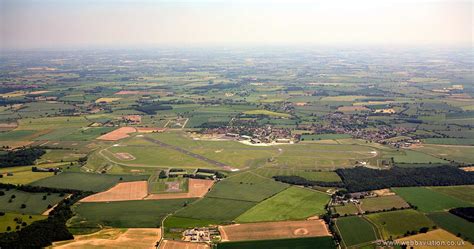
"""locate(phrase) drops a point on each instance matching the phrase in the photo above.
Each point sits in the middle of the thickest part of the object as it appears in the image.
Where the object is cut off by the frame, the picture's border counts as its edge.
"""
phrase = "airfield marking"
(186, 152)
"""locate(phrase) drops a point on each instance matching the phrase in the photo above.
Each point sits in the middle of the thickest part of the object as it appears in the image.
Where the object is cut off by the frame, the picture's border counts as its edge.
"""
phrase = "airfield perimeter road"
(205, 159)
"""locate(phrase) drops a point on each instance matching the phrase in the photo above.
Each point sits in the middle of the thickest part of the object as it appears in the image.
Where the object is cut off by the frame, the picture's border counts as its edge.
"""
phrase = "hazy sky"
(87, 23)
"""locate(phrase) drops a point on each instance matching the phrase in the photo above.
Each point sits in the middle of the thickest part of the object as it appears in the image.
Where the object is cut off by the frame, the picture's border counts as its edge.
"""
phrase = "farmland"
(273, 230)
(304, 243)
(395, 224)
(30, 203)
(114, 238)
(260, 148)
(428, 200)
(436, 237)
(463, 193)
(215, 209)
(291, 204)
(13, 220)
(22, 175)
(356, 230)
(124, 214)
(382, 203)
(454, 224)
(85, 181)
(254, 190)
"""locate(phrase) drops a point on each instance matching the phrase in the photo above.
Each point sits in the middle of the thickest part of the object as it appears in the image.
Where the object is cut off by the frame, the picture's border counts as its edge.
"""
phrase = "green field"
(324, 137)
(346, 209)
(382, 203)
(246, 187)
(86, 181)
(17, 135)
(22, 175)
(181, 222)
(464, 193)
(8, 220)
(428, 200)
(291, 204)
(462, 154)
(454, 224)
(267, 113)
(154, 156)
(124, 214)
(409, 156)
(215, 209)
(395, 224)
(303, 243)
(355, 230)
(36, 203)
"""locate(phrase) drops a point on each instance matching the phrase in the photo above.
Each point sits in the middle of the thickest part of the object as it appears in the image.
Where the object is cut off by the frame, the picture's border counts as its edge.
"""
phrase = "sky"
(26, 24)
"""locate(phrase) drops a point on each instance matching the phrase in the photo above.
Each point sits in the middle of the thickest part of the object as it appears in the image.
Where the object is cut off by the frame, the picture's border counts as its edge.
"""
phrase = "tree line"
(21, 157)
(364, 179)
(43, 233)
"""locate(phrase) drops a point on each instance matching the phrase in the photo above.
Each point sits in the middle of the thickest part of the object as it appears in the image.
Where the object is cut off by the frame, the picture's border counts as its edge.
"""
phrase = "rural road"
(205, 159)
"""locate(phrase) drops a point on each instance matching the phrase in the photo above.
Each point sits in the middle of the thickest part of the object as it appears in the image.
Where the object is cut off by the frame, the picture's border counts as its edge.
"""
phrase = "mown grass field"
(86, 181)
(348, 209)
(293, 203)
(154, 156)
(462, 154)
(124, 214)
(306, 156)
(355, 230)
(246, 187)
(17, 135)
(454, 224)
(35, 204)
(464, 193)
(268, 113)
(22, 175)
(316, 137)
(395, 224)
(409, 156)
(428, 200)
(8, 220)
(215, 209)
(303, 243)
(382, 203)
(182, 222)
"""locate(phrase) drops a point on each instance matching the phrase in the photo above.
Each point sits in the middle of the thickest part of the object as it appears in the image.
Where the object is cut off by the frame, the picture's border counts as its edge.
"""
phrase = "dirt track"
(274, 230)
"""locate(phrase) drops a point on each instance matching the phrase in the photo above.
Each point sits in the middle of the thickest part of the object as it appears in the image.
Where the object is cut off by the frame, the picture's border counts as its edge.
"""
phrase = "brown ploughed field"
(274, 230)
(171, 244)
(117, 134)
(196, 188)
(137, 238)
(123, 191)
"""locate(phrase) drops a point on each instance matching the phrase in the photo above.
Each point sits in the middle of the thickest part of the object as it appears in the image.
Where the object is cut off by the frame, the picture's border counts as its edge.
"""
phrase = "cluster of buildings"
(201, 234)
(256, 135)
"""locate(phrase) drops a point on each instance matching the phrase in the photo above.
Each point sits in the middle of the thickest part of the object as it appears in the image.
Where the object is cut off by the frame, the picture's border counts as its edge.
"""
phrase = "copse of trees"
(43, 233)
(298, 180)
(466, 213)
(364, 179)
(20, 157)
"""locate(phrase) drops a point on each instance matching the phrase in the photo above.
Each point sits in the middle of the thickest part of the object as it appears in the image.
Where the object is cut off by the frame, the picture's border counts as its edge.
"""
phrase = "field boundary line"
(377, 231)
(339, 231)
